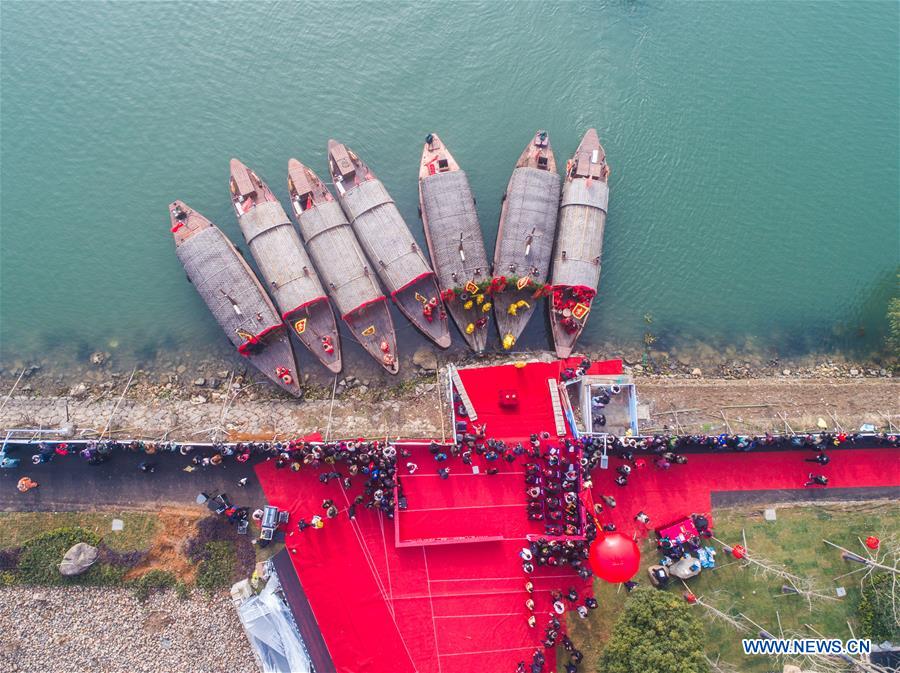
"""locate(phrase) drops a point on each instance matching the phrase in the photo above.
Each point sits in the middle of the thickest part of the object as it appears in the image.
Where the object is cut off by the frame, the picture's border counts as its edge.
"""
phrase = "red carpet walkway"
(665, 495)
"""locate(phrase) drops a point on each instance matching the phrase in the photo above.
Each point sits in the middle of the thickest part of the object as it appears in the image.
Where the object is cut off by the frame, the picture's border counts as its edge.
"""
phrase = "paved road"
(69, 483)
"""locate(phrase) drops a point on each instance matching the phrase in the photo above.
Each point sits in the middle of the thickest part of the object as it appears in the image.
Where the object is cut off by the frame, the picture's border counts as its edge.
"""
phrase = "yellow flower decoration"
(479, 299)
(470, 328)
(509, 341)
(468, 305)
(512, 309)
(486, 307)
(522, 304)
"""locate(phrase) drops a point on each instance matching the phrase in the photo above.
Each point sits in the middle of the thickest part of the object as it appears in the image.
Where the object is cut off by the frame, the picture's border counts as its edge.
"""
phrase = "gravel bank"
(74, 629)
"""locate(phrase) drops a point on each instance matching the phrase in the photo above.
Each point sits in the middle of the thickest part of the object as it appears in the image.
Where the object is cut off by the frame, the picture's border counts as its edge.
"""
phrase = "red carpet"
(438, 606)
(664, 495)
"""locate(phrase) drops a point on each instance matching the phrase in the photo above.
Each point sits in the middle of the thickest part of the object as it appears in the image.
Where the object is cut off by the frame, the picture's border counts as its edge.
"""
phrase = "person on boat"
(821, 459)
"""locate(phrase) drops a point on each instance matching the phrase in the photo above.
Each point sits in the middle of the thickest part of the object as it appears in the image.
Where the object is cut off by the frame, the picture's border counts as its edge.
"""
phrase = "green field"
(140, 527)
(794, 540)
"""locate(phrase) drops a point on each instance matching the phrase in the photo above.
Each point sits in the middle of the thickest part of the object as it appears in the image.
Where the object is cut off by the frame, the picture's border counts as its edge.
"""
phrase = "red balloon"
(615, 557)
(738, 551)
(872, 542)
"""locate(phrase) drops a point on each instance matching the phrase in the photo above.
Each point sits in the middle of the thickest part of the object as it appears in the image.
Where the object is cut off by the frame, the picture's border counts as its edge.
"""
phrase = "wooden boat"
(579, 242)
(388, 243)
(525, 238)
(234, 295)
(345, 270)
(288, 271)
(447, 208)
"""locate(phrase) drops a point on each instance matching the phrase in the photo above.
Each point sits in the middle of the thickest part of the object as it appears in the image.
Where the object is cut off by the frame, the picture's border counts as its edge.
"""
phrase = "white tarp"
(271, 630)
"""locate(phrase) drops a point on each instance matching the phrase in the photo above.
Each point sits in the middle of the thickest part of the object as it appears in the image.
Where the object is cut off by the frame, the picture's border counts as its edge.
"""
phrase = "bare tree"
(794, 584)
(884, 559)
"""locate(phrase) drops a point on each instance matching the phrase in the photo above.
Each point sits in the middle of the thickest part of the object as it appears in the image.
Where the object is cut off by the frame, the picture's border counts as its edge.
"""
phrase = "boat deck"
(455, 241)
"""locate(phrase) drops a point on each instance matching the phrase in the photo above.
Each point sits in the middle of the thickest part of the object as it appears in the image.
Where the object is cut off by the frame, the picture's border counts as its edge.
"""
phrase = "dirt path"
(167, 550)
(756, 405)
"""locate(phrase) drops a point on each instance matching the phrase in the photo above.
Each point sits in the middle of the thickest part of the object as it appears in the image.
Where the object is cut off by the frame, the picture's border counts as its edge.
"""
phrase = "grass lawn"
(793, 540)
(140, 527)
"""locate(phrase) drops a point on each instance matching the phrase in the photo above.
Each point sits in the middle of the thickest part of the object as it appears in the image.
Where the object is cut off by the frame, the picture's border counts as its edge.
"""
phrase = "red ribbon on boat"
(411, 283)
(287, 314)
(244, 348)
(362, 306)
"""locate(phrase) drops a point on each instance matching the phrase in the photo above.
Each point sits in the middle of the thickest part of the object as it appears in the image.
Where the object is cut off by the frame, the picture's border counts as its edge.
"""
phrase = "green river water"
(755, 199)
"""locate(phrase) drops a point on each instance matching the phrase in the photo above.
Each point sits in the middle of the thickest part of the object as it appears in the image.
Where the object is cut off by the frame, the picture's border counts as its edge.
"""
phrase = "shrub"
(122, 559)
(876, 611)
(656, 633)
(182, 590)
(154, 579)
(9, 558)
(218, 566)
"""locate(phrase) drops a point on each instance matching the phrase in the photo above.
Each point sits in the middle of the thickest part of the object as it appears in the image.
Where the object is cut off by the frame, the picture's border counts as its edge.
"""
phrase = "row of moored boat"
(549, 244)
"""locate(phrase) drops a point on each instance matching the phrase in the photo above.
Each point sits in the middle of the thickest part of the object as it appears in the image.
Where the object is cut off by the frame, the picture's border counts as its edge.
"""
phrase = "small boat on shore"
(579, 242)
(345, 270)
(288, 271)
(388, 243)
(455, 243)
(525, 238)
(235, 296)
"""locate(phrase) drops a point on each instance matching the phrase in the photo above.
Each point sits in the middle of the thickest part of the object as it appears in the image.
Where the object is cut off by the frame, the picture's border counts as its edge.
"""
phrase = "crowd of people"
(551, 490)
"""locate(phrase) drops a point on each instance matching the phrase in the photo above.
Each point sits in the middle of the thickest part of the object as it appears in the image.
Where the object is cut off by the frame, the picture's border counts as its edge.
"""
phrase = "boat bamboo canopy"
(525, 238)
(579, 245)
(455, 241)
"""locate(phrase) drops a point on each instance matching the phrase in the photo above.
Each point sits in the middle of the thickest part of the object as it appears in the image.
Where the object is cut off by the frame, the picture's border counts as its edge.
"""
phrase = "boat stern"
(305, 188)
(538, 153)
(436, 158)
(589, 160)
(184, 221)
(247, 188)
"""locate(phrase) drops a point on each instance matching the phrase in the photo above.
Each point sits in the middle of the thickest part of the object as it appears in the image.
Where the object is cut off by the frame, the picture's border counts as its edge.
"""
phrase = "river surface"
(753, 146)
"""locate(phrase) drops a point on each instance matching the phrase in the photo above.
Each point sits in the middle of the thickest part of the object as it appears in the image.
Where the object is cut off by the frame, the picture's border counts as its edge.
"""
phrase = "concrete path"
(69, 483)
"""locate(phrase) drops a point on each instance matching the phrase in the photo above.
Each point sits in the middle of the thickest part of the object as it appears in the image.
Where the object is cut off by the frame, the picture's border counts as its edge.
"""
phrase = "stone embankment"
(60, 630)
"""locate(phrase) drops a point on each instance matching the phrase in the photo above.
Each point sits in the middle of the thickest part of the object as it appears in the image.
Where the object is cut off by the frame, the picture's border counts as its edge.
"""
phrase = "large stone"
(425, 358)
(78, 391)
(78, 559)
(99, 358)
